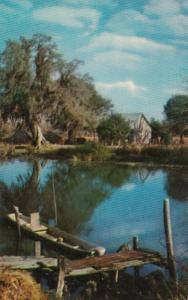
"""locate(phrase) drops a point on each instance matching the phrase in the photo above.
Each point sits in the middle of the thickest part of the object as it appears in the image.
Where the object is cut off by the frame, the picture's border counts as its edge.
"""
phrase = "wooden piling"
(135, 248)
(116, 276)
(135, 243)
(35, 220)
(17, 217)
(169, 240)
(61, 278)
(37, 249)
(54, 199)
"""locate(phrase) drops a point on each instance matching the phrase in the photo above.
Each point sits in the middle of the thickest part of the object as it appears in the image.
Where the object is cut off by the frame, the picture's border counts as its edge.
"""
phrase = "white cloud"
(171, 91)
(115, 59)
(23, 3)
(178, 23)
(128, 85)
(96, 3)
(185, 4)
(180, 42)
(69, 17)
(129, 21)
(110, 40)
(128, 187)
(162, 7)
(171, 15)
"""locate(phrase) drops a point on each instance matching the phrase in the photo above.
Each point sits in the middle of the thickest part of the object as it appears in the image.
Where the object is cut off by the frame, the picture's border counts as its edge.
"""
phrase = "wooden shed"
(141, 131)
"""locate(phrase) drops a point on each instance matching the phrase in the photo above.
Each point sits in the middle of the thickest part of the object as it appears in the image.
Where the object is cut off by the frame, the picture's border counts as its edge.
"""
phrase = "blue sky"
(136, 50)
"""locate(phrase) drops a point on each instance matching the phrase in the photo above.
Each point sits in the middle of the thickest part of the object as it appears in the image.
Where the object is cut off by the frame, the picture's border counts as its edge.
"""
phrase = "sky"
(135, 50)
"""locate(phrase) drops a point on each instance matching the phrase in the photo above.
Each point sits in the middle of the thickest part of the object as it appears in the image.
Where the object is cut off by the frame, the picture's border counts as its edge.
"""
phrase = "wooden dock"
(111, 262)
(84, 266)
(125, 258)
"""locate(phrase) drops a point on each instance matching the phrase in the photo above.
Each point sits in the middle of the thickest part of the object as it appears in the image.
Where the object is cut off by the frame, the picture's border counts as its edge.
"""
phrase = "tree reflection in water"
(73, 190)
(177, 184)
(79, 190)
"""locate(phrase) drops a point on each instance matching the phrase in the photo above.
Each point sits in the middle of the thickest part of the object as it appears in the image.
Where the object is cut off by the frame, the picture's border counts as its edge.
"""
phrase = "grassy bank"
(158, 154)
(175, 155)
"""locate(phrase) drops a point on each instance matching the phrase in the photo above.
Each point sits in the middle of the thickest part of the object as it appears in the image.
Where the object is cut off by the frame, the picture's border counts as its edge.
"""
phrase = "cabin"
(141, 130)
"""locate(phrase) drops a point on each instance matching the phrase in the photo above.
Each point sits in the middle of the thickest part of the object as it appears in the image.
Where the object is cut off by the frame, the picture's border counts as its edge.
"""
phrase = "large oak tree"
(37, 84)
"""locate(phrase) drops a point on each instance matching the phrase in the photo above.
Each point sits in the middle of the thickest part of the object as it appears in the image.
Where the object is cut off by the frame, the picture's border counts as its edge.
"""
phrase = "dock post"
(116, 276)
(135, 248)
(37, 248)
(61, 278)
(17, 217)
(35, 220)
(135, 243)
(169, 240)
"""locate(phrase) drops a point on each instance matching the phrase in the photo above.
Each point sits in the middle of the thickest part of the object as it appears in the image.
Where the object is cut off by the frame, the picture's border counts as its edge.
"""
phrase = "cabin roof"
(135, 117)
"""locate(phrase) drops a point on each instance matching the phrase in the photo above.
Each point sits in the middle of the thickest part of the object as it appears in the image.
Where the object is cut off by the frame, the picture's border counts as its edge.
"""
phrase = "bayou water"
(103, 203)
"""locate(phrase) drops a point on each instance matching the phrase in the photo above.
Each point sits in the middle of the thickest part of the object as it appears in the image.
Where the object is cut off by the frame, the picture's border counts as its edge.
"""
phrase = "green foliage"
(114, 129)
(93, 152)
(161, 130)
(176, 111)
(37, 85)
(153, 154)
(100, 152)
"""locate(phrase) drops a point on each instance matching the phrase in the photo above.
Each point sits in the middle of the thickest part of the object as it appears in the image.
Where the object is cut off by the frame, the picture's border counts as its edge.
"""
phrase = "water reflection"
(177, 184)
(72, 191)
(106, 204)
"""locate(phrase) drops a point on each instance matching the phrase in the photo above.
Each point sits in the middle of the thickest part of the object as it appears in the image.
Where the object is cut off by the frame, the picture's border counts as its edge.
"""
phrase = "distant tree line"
(175, 122)
(38, 86)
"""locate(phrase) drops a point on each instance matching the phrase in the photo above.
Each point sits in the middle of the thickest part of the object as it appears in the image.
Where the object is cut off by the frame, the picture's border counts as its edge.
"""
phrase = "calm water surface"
(106, 204)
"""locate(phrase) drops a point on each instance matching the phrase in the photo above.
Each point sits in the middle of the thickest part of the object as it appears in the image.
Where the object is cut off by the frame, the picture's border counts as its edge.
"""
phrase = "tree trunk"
(182, 138)
(37, 135)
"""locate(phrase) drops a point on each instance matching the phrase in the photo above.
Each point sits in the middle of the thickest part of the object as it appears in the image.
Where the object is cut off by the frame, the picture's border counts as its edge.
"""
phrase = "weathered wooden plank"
(110, 262)
(27, 263)
(111, 259)
(115, 267)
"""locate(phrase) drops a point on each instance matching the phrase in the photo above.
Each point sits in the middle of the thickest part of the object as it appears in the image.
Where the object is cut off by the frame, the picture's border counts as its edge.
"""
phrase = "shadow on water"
(177, 184)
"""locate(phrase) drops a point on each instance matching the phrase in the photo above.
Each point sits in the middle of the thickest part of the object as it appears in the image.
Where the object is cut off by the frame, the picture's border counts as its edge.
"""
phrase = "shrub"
(100, 152)
(92, 152)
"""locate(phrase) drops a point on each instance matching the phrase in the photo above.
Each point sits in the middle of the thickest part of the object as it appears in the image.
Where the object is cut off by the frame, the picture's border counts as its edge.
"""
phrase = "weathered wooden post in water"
(17, 217)
(37, 248)
(135, 248)
(169, 240)
(61, 278)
